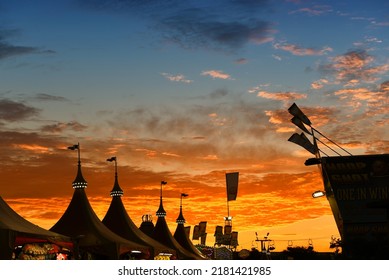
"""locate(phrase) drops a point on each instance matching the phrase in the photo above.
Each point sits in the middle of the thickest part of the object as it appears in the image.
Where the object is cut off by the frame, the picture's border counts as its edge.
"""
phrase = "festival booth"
(21, 239)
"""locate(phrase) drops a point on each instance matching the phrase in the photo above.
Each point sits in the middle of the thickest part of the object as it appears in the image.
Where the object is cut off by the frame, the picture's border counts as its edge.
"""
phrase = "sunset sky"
(185, 91)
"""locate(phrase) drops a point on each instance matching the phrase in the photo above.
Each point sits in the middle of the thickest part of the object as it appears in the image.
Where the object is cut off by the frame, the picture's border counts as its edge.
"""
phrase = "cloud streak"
(300, 51)
(315, 10)
(217, 74)
(281, 96)
(176, 78)
(61, 127)
(13, 111)
(9, 50)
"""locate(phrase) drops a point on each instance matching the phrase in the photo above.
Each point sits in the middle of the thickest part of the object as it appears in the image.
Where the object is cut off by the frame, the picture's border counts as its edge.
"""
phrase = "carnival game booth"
(21, 239)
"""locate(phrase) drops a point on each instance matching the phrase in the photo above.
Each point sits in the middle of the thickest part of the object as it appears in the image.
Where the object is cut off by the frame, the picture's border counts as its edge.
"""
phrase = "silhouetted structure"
(147, 226)
(181, 235)
(118, 220)
(91, 236)
(357, 190)
(199, 233)
(228, 238)
(162, 234)
(17, 231)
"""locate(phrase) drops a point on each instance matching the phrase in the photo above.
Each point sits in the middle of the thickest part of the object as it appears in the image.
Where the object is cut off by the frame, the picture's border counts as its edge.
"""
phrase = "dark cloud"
(49, 97)
(218, 93)
(16, 111)
(194, 30)
(128, 5)
(241, 61)
(219, 25)
(11, 137)
(7, 49)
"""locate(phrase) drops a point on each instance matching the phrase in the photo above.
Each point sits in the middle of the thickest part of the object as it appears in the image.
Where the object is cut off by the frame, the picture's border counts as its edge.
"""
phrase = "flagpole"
(228, 208)
(79, 154)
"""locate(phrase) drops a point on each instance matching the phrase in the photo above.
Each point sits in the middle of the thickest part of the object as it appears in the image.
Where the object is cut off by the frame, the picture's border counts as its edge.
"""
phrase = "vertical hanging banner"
(196, 233)
(232, 180)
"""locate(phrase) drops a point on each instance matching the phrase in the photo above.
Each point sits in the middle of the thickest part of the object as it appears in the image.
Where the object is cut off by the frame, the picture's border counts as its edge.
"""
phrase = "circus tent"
(93, 238)
(17, 231)
(162, 234)
(118, 220)
(181, 235)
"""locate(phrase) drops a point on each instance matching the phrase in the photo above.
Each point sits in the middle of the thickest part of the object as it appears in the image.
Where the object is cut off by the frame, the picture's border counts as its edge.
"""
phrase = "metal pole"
(228, 208)
(79, 155)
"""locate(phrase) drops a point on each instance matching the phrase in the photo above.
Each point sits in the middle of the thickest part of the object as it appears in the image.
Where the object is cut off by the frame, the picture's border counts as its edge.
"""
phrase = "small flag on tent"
(184, 195)
(111, 159)
(74, 147)
(232, 185)
(163, 182)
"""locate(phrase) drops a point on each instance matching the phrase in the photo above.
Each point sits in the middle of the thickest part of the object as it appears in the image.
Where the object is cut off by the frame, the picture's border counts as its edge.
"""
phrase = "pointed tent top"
(116, 190)
(79, 182)
(161, 212)
(181, 219)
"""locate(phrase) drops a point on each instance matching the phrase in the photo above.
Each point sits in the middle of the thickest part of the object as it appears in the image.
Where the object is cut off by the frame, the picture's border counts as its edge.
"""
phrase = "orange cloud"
(355, 66)
(297, 50)
(281, 96)
(319, 84)
(216, 74)
(34, 148)
(376, 101)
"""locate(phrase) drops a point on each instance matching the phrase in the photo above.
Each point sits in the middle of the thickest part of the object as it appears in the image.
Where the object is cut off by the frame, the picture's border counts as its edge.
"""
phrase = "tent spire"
(181, 219)
(161, 212)
(79, 182)
(116, 190)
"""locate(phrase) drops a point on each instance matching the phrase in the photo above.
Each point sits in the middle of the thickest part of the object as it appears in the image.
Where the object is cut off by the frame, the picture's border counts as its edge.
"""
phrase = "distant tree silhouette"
(254, 254)
(300, 253)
